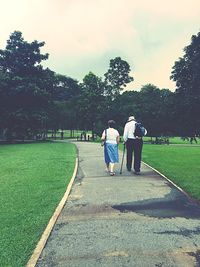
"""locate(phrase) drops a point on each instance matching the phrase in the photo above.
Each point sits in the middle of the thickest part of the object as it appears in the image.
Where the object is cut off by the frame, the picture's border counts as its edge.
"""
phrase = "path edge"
(42, 242)
(175, 185)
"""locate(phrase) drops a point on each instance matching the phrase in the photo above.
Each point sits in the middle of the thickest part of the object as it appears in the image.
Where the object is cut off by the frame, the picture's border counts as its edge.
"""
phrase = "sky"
(83, 35)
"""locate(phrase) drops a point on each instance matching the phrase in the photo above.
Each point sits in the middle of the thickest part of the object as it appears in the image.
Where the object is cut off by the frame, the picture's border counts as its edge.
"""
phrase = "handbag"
(104, 141)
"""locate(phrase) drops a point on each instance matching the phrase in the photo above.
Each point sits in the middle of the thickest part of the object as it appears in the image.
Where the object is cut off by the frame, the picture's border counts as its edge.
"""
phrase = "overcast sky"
(83, 35)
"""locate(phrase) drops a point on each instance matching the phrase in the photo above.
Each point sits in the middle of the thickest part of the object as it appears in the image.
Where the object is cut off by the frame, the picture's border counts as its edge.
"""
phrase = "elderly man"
(133, 144)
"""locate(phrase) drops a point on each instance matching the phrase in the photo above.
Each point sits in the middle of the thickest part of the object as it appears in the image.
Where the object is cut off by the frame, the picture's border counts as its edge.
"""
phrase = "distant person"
(134, 143)
(193, 138)
(111, 138)
(62, 135)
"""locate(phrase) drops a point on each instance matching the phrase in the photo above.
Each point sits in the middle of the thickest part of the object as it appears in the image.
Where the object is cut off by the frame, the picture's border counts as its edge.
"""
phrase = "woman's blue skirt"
(111, 153)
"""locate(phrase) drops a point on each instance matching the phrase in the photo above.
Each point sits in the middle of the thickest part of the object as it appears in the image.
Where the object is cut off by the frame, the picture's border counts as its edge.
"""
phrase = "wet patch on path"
(162, 208)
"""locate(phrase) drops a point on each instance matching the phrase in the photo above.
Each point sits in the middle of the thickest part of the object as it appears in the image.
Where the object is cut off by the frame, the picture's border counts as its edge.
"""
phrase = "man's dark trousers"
(134, 145)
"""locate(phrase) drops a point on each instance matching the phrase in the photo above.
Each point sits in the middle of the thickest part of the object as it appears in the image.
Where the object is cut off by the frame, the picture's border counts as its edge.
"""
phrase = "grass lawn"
(33, 179)
(67, 134)
(175, 140)
(181, 164)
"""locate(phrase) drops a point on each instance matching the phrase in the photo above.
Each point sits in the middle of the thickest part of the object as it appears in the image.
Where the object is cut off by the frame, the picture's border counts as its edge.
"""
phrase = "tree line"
(34, 99)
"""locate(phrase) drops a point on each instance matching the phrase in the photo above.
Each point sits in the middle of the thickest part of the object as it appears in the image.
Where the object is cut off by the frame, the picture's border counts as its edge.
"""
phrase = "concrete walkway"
(125, 220)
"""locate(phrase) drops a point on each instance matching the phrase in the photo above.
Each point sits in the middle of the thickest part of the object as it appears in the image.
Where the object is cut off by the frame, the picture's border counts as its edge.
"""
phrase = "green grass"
(181, 164)
(175, 140)
(178, 140)
(67, 134)
(33, 179)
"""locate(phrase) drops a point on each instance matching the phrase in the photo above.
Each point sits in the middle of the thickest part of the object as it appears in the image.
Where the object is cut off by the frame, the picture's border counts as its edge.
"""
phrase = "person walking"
(134, 144)
(111, 138)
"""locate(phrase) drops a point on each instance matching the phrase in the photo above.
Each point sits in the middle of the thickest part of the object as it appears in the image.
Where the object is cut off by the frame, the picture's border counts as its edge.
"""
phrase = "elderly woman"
(111, 138)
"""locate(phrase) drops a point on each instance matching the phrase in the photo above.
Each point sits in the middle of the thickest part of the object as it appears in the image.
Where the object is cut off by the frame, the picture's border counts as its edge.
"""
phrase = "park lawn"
(178, 140)
(174, 140)
(33, 180)
(181, 164)
(67, 134)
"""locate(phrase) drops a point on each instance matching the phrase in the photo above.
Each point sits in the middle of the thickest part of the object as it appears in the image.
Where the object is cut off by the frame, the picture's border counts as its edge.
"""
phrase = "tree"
(185, 73)
(64, 113)
(117, 77)
(91, 101)
(152, 106)
(20, 57)
(156, 110)
(149, 108)
(123, 106)
(28, 86)
(66, 88)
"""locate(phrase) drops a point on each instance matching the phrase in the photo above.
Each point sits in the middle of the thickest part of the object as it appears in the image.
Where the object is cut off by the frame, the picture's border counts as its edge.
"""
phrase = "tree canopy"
(26, 86)
(117, 76)
(186, 75)
(34, 100)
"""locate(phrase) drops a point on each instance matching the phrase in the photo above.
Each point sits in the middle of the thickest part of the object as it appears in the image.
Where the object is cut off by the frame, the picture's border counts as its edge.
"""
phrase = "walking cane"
(122, 159)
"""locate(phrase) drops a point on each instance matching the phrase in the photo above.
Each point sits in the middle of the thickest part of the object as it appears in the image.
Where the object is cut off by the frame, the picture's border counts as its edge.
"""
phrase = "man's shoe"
(136, 173)
(128, 169)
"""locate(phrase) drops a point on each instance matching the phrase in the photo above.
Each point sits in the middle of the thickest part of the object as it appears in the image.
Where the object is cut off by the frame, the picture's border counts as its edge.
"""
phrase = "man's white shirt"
(129, 130)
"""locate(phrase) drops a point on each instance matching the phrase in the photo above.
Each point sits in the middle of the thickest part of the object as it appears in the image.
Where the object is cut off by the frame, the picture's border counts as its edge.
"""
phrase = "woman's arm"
(103, 136)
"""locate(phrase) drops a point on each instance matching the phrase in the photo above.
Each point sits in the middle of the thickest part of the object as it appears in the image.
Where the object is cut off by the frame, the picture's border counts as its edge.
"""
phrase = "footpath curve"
(124, 220)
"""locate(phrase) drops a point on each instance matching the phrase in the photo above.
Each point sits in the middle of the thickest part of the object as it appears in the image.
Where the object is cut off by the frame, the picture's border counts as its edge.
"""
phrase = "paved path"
(125, 220)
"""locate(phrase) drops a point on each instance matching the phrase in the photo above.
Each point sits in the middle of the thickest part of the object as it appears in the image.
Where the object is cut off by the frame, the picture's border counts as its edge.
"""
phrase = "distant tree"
(63, 114)
(91, 101)
(152, 106)
(64, 111)
(65, 88)
(167, 113)
(125, 105)
(117, 77)
(149, 109)
(156, 110)
(185, 73)
(4, 80)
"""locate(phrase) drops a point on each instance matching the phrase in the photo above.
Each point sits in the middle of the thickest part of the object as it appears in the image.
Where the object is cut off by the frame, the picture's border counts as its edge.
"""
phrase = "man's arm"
(125, 135)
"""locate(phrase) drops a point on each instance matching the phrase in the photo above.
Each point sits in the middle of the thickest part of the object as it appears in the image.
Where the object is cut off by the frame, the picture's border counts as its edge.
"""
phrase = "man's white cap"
(131, 118)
